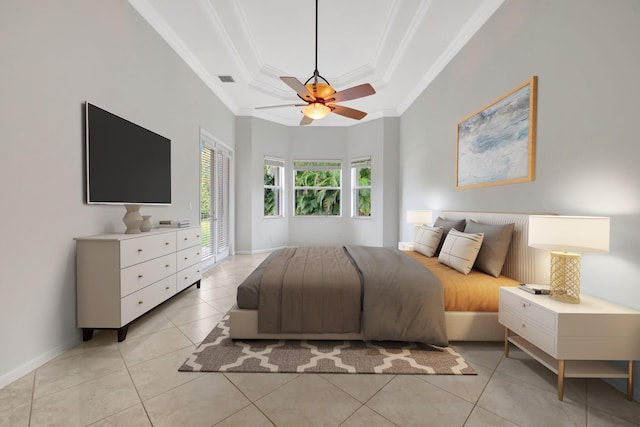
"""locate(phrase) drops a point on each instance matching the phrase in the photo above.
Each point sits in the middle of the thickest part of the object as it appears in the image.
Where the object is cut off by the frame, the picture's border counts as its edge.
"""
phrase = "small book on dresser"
(535, 289)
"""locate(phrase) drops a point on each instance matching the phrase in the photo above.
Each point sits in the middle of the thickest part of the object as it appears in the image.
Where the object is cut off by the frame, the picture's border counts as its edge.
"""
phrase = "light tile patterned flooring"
(136, 383)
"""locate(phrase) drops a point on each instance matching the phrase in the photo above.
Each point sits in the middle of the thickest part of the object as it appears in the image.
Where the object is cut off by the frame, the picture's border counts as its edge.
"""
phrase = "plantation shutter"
(272, 161)
(206, 162)
(222, 205)
(364, 162)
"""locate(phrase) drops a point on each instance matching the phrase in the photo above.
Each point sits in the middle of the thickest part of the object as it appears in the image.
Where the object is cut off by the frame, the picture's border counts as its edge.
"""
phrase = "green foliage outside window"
(363, 178)
(317, 192)
(269, 192)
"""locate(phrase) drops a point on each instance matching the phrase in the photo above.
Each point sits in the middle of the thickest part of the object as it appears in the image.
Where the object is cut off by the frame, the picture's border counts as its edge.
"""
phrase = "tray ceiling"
(398, 46)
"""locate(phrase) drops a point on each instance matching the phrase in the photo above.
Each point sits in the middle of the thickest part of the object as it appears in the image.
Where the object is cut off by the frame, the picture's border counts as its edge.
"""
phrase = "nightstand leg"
(506, 342)
(630, 381)
(560, 379)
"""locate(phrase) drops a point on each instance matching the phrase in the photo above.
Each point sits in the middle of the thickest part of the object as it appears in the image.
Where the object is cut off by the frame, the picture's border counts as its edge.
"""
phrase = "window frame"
(356, 164)
(277, 187)
(316, 165)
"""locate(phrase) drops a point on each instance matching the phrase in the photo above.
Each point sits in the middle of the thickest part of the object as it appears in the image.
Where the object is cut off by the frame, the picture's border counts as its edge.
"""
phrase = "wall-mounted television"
(126, 163)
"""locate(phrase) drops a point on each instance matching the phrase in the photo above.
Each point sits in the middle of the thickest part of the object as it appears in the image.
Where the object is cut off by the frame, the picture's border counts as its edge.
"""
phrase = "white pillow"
(460, 250)
(427, 240)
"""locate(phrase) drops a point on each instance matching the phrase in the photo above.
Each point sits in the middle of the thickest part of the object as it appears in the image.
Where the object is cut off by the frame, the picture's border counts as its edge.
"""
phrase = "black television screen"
(126, 163)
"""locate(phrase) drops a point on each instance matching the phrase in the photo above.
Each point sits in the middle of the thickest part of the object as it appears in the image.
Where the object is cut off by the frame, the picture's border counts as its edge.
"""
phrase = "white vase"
(146, 224)
(132, 219)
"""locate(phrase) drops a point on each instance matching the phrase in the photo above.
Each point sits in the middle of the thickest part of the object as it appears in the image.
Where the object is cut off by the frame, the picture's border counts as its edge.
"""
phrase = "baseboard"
(31, 365)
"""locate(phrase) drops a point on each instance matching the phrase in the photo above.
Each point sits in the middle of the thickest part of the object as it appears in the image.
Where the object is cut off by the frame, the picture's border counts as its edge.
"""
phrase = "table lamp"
(418, 218)
(565, 236)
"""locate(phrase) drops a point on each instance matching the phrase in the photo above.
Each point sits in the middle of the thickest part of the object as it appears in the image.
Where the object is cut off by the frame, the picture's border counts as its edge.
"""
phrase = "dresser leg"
(630, 381)
(560, 379)
(122, 333)
(87, 334)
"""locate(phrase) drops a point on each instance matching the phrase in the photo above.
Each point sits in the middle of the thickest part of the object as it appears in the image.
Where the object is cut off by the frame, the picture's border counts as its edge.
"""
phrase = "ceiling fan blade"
(348, 112)
(305, 121)
(301, 89)
(280, 106)
(354, 92)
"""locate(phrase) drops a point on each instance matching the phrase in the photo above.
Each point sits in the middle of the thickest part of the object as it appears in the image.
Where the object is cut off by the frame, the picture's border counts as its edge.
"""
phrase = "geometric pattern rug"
(219, 353)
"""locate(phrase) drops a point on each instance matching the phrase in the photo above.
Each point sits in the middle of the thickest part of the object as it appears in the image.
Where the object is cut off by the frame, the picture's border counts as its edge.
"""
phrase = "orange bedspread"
(474, 292)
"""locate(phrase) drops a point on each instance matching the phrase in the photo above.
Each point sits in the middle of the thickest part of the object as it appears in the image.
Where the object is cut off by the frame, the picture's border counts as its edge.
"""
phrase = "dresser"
(572, 340)
(119, 277)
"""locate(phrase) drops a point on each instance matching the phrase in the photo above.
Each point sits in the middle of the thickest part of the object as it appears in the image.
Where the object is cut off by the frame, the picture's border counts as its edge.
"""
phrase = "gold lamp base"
(565, 277)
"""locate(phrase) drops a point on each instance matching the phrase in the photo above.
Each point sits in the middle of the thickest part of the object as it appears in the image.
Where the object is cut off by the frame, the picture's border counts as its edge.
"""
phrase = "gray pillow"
(448, 224)
(493, 253)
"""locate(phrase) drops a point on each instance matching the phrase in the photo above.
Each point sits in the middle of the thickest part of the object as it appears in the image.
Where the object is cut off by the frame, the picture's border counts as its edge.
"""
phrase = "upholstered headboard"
(523, 263)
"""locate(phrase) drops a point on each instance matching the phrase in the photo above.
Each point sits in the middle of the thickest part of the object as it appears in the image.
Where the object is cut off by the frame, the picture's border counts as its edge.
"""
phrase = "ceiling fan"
(320, 97)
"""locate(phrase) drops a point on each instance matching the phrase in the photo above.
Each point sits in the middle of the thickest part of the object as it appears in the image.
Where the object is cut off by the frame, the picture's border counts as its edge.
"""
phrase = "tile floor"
(136, 383)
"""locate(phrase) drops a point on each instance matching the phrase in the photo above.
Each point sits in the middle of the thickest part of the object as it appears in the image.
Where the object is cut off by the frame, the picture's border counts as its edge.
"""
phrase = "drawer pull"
(186, 238)
(140, 302)
(185, 258)
(523, 326)
(167, 265)
(166, 243)
(186, 277)
(139, 250)
(167, 288)
(139, 276)
(524, 305)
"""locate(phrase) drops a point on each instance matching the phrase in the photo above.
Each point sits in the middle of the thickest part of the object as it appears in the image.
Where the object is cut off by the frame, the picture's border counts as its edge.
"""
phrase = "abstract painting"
(496, 145)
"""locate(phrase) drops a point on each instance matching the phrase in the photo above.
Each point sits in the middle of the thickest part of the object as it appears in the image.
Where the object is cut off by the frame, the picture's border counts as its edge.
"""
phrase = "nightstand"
(405, 246)
(572, 340)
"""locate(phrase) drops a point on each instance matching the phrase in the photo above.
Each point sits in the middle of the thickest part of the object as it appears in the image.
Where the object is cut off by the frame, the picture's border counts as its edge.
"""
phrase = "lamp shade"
(316, 111)
(419, 217)
(569, 233)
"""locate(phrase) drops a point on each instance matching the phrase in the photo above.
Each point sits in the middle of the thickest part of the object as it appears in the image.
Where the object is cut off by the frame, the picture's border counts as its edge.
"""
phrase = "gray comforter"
(401, 300)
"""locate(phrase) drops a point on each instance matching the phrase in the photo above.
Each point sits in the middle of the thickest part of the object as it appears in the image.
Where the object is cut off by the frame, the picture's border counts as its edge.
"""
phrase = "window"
(361, 187)
(273, 183)
(316, 187)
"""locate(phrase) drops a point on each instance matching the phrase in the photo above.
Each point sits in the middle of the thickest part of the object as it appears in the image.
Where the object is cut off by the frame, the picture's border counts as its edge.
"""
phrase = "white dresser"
(119, 277)
(572, 340)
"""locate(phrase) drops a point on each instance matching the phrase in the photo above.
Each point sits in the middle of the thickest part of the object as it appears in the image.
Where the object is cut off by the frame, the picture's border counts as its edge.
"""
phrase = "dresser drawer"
(188, 276)
(141, 275)
(189, 237)
(525, 310)
(529, 331)
(138, 303)
(188, 257)
(134, 251)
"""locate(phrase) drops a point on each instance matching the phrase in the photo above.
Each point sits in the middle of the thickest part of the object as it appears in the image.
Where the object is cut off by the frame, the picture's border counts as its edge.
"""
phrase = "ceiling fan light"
(316, 111)
(323, 90)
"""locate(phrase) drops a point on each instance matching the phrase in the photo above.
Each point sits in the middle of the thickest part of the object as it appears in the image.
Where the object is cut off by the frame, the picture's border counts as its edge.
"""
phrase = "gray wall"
(56, 56)
(587, 57)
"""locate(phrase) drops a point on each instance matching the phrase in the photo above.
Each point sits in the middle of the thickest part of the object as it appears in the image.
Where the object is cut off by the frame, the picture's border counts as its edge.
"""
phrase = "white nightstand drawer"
(141, 275)
(528, 311)
(138, 303)
(189, 237)
(144, 248)
(189, 256)
(528, 330)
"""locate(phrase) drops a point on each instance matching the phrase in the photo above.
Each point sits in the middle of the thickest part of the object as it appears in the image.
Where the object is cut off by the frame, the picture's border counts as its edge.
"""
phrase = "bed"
(522, 264)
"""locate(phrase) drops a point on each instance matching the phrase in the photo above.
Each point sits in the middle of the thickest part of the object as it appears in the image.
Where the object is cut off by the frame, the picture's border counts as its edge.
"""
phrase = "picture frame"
(496, 145)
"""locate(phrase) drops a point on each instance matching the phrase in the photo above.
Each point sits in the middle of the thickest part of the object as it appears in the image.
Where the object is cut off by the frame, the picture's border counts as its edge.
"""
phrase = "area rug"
(219, 353)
